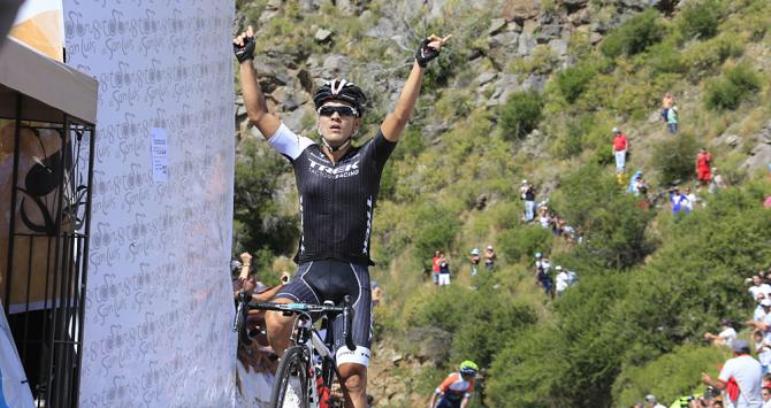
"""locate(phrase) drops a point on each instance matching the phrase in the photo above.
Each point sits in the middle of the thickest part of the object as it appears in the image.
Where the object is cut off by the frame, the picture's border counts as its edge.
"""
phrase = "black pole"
(86, 238)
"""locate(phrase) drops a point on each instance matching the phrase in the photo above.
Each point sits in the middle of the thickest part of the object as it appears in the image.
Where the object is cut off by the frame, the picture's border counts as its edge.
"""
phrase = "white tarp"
(14, 391)
(159, 302)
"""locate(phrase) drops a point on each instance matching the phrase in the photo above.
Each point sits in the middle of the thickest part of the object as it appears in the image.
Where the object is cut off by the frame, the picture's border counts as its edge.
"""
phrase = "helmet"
(538, 255)
(340, 90)
(468, 367)
(475, 251)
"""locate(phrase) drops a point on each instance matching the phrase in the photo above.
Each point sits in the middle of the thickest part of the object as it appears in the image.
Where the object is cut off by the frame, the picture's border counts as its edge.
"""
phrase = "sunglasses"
(344, 111)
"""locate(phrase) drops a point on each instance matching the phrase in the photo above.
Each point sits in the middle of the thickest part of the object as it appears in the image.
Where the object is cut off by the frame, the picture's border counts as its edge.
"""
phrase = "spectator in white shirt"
(562, 280)
(759, 313)
(758, 286)
(726, 336)
(650, 401)
(745, 371)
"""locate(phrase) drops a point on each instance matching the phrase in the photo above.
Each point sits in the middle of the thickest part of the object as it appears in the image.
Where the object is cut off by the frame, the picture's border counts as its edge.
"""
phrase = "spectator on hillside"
(704, 167)
(679, 202)
(377, 293)
(763, 349)
(650, 402)
(718, 182)
(444, 271)
(726, 336)
(527, 194)
(558, 225)
(435, 266)
(672, 120)
(759, 312)
(474, 258)
(490, 258)
(634, 183)
(692, 199)
(543, 278)
(741, 378)
(763, 325)
(765, 393)
(620, 147)
(666, 103)
(569, 233)
(562, 280)
(544, 218)
(759, 286)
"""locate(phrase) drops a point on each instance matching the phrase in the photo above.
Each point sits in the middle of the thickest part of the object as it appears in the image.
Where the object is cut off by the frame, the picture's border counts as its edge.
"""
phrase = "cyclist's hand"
(429, 49)
(246, 258)
(243, 45)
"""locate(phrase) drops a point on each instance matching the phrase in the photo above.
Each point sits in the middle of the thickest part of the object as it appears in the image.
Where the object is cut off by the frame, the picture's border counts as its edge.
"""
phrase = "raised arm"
(395, 122)
(254, 101)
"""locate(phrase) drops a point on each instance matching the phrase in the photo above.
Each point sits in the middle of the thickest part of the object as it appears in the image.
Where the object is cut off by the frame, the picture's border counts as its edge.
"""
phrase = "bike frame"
(305, 335)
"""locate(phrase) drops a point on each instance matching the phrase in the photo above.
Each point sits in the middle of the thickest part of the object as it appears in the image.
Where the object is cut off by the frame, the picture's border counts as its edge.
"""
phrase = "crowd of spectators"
(440, 264)
(544, 215)
(744, 380)
(552, 286)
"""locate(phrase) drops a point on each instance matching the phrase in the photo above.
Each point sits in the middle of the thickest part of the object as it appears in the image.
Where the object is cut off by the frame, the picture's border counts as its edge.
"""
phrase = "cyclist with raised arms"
(456, 389)
(338, 185)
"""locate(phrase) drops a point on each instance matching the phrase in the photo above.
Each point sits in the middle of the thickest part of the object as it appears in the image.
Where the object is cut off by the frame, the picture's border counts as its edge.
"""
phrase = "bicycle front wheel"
(290, 389)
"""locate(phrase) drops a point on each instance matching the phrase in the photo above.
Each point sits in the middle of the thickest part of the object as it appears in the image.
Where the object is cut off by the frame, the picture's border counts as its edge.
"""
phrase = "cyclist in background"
(455, 391)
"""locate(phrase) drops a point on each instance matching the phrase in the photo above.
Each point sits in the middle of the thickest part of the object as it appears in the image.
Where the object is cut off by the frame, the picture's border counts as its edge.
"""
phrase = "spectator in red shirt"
(435, 266)
(704, 167)
(620, 147)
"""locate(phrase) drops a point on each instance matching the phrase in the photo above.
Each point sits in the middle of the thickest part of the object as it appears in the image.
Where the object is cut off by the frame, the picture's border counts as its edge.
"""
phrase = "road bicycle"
(307, 372)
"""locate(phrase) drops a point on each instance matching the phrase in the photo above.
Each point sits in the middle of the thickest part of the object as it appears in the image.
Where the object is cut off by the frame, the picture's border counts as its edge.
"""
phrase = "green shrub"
(258, 219)
(491, 319)
(572, 139)
(674, 159)
(521, 114)
(634, 36)
(443, 310)
(525, 373)
(573, 81)
(733, 88)
(542, 61)
(613, 225)
(665, 58)
(582, 191)
(703, 57)
(693, 280)
(435, 228)
(700, 19)
(518, 243)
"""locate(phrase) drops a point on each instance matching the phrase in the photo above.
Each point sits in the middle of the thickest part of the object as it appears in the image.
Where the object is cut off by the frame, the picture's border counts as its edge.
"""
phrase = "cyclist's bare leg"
(354, 382)
(279, 328)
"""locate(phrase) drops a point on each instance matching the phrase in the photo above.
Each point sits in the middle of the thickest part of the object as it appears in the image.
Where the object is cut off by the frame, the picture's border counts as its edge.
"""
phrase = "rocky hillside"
(531, 89)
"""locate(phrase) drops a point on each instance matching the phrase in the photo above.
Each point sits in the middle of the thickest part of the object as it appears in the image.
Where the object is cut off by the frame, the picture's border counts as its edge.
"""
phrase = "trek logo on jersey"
(347, 170)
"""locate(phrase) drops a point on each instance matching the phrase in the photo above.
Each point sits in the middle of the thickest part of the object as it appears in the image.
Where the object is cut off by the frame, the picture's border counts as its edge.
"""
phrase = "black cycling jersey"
(336, 200)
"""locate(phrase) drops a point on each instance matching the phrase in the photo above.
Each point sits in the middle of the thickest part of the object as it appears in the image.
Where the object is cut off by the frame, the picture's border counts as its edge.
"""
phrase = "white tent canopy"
(51, 87)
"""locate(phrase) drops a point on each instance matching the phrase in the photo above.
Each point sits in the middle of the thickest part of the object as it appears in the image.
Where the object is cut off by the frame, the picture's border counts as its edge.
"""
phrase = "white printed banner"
(159, 304)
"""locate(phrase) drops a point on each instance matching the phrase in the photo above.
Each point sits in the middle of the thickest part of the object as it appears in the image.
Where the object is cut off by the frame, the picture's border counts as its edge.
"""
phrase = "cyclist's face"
(338, 126)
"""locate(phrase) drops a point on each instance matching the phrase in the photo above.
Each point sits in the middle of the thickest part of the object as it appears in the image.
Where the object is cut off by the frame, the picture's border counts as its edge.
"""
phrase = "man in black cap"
(741, 377)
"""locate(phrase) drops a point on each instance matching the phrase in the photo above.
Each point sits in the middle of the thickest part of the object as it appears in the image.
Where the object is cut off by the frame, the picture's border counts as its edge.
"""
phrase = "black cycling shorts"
(319, 281)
